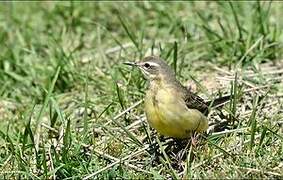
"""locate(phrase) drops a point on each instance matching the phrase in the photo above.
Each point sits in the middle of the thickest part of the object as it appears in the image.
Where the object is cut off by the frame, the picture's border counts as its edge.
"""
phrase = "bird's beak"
(130, 63)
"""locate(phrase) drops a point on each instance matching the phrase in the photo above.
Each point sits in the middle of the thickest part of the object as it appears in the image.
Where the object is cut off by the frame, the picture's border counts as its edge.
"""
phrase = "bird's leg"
(155, 150)
(194, 138)
(184, 149)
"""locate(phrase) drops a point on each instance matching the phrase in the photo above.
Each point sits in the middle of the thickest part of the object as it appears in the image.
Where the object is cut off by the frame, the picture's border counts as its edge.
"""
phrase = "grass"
(69, 108)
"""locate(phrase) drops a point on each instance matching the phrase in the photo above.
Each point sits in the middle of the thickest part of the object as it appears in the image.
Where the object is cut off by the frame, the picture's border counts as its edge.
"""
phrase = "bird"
(172, 109)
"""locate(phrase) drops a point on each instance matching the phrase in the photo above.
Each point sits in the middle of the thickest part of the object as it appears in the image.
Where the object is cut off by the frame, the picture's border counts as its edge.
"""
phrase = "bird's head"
(153, 68)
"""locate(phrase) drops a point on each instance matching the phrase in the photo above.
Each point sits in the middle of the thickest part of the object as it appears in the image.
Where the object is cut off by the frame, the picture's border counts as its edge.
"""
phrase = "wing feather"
(193, 101)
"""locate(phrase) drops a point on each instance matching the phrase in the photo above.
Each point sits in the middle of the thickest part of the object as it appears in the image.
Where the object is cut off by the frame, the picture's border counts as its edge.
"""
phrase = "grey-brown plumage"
(193, 101)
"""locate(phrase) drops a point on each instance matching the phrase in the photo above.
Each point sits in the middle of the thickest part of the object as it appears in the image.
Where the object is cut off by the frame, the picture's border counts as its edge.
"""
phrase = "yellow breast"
(167, 112)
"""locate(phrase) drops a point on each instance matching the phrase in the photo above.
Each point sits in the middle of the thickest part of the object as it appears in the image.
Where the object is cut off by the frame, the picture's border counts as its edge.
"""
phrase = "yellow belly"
(167, 112)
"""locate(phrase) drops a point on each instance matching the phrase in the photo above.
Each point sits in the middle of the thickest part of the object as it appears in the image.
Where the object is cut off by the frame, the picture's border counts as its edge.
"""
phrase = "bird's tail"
(219, 101)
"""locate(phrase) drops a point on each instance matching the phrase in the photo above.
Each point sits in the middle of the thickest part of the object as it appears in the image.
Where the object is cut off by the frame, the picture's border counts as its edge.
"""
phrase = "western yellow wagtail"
(170, 107)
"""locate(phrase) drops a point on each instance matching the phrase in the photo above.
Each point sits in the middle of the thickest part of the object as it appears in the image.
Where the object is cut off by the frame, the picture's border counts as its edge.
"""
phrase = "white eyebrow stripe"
(152, 63)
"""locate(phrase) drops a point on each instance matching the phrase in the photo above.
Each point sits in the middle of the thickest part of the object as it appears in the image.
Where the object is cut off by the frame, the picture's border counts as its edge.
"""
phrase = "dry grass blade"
(125, 111)
(253, 170)
(107, 156)
(221, 154)
(136, 153)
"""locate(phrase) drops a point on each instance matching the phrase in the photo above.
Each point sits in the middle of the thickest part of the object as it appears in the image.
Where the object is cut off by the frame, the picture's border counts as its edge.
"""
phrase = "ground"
(69, 108)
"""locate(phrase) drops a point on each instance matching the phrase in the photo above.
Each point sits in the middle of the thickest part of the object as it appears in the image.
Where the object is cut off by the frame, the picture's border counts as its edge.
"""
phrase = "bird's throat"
(154, 86)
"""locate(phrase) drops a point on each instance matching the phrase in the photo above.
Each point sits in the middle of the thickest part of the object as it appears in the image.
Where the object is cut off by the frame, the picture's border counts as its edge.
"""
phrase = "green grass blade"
(175, 57)
(47, 98)
(67, 139)
(253, 121)
(263, 135)
(129, 33)
(236, 20)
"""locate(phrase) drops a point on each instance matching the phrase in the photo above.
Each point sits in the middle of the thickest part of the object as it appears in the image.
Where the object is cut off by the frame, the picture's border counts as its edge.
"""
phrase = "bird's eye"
(146, 65)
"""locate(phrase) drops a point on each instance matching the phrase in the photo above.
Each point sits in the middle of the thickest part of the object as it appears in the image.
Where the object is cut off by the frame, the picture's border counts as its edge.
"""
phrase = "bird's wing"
(193, 101)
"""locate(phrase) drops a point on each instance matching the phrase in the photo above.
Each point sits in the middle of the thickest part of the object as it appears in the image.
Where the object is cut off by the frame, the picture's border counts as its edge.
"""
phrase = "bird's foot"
(194, 141)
